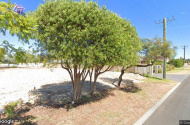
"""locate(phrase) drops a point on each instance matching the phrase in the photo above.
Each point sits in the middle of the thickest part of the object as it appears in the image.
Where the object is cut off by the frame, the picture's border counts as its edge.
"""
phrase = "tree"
(20, 56)
(17, 24)
(2, 54)
(10, 52)
(155, 48)
(132, 57)
(83, 37)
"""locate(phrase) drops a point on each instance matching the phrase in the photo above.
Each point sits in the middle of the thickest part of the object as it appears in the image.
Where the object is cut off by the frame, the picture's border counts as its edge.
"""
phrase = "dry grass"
(118, 107)
(180, 70)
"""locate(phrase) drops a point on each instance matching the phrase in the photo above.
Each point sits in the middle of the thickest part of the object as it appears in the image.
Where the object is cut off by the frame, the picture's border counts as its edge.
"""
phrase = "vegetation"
(10, 109)
(2, 54)
(155, 48)
(176, 62)
(169, 67)
(158, 62)
(17, 24)
(159, 70)
(20, 55)
(85, 37)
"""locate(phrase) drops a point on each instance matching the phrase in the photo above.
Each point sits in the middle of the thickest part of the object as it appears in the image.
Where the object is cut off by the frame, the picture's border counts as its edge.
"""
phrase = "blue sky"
(143, 14)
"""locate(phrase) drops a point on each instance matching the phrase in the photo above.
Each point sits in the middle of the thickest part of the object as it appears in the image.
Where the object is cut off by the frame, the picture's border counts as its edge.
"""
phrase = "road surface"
(175, 108)
(174, 77)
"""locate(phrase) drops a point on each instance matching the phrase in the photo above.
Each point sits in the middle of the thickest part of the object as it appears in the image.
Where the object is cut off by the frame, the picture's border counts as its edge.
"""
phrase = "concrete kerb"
(144, 117)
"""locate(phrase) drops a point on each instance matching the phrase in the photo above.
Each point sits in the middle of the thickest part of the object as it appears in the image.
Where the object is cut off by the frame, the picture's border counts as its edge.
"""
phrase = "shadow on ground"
(60, 94)
(126, 84)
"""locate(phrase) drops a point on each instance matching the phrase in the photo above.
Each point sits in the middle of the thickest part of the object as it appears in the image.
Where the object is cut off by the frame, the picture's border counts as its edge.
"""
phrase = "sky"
(144, 15)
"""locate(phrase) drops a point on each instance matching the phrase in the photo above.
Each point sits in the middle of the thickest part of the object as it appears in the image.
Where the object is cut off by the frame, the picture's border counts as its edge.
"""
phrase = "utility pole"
(164, 38)
(164, 41)
(184, 57)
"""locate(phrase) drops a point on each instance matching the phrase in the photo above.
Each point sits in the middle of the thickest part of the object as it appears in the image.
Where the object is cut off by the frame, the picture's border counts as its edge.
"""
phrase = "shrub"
(13, 67)
(159, 70)
(158, 62)
(176, 62)
(10, 109)
(169, 67)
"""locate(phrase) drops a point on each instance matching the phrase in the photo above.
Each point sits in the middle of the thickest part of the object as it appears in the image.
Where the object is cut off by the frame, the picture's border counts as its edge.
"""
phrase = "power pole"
(184, 57)
(164, 40)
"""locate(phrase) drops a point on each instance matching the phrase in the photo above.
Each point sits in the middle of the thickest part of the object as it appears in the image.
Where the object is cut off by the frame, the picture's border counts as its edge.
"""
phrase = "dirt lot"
(111, 107)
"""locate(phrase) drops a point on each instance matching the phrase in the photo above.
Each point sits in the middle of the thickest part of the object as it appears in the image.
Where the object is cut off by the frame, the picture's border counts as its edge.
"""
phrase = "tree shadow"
(126, 85)
(19, 117)
(59, 95)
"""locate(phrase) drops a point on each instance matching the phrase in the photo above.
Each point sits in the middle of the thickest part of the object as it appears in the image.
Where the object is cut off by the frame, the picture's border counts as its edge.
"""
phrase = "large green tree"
(134, 45)
(84, 37)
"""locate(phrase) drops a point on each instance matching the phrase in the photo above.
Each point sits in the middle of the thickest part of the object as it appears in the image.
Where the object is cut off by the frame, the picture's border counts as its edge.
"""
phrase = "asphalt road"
(175, 108)
(174, 77)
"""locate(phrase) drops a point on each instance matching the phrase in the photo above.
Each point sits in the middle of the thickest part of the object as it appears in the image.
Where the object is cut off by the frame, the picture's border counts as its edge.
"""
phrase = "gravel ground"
(16, 83)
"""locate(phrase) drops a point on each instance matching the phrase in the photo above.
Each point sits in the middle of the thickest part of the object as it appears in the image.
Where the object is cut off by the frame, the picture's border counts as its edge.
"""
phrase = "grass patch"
(176, 70)
(109, 115)
(155, 79)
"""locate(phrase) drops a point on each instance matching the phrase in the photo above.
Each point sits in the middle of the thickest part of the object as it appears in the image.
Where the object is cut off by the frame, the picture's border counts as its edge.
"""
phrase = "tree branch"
(109, 67)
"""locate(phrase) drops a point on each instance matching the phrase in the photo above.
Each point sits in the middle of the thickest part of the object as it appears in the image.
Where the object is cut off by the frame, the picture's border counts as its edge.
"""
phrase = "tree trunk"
(76, 85)
(94, 84)
(80, 89)
(120, 77)
(97, 72)
(90, 75)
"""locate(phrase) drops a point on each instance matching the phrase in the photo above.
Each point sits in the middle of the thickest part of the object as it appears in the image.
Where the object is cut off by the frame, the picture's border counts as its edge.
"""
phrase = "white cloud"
(182, 13)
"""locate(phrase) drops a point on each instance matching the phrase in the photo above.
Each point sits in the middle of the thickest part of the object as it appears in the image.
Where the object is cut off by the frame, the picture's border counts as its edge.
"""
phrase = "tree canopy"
(83, 35)
(155, 48)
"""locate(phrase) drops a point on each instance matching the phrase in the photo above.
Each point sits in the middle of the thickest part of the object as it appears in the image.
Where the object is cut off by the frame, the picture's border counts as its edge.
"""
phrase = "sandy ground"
(117, 107)
(15, 83)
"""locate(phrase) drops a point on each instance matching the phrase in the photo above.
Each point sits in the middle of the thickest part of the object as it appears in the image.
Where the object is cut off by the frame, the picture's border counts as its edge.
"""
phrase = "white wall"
(22, 65)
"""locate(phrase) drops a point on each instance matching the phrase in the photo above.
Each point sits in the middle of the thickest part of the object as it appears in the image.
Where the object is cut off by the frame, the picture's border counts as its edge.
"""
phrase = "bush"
(10, 109)
(13, 67)
(169, 67)
(176, 62)
(159, 70)
(158, 62)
